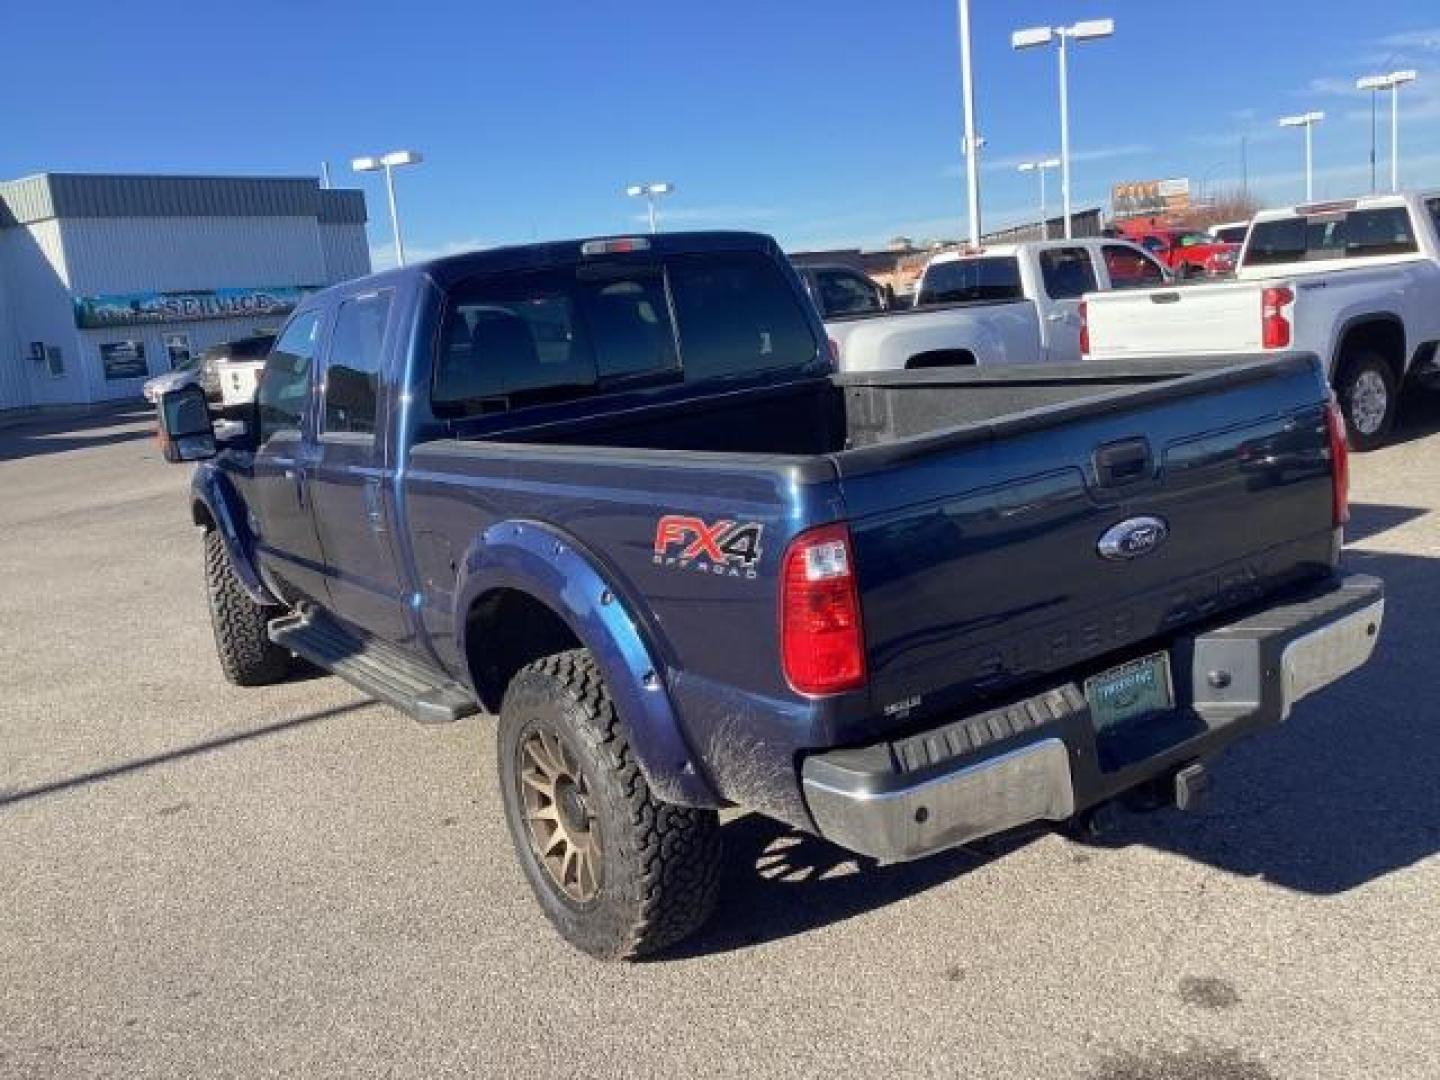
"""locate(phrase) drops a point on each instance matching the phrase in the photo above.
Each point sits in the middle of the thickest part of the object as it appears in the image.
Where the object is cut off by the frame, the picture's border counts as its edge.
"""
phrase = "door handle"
(374, 508)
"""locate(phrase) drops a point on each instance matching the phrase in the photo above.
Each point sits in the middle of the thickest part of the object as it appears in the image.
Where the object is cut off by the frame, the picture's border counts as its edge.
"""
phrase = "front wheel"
(1368, 395)
(618, 872)
(247, 655)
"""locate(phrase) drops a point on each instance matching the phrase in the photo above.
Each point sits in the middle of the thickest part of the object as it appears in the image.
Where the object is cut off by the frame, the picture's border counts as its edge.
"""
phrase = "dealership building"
(106, 280)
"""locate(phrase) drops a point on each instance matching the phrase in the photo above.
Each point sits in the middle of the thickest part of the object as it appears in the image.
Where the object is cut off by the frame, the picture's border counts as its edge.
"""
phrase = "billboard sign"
(135, 309)
(1137, 198)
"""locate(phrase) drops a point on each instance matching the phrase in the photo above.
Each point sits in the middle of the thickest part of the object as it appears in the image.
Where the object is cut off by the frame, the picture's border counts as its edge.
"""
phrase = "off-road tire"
(660, 863)
(1360, 369)
(247, 655)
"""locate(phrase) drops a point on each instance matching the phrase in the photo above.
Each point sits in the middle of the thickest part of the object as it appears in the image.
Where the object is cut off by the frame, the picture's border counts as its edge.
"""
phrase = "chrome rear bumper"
(1036, 760)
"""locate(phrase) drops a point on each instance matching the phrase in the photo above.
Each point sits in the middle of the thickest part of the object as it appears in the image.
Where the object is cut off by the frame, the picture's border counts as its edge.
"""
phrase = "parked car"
(1355, 281)
(839, 290)
(612, 491)
(1232, 232)
(1004, 304)
(182, 374)
(1188, 253)
(229, 371)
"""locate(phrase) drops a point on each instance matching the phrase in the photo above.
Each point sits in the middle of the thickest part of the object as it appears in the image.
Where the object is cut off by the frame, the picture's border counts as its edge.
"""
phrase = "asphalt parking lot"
(202, 880)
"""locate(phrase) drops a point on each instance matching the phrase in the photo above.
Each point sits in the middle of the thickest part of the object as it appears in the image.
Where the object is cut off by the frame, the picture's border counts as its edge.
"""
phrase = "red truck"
(1187, 252)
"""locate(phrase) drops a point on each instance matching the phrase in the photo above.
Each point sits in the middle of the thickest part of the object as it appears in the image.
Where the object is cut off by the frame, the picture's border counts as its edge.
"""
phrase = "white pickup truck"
(1355, 281)
(1006, 304)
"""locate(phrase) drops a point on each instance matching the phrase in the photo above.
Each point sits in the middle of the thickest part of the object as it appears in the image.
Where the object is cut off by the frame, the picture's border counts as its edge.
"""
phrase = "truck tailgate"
(978, 550)
(1191, 320)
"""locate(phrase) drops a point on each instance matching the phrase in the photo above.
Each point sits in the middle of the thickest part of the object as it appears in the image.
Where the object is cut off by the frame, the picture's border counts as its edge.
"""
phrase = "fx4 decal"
(723, 548)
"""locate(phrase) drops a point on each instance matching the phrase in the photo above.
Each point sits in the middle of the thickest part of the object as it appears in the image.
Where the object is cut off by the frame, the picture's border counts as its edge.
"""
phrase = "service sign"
(133, 309)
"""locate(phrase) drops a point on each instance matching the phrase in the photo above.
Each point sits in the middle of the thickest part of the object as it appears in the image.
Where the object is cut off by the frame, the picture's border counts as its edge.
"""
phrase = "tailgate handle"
(1121, 463)
(1164, 297)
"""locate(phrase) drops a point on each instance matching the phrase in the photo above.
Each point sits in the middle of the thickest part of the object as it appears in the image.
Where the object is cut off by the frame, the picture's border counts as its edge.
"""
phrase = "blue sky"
(826, 124)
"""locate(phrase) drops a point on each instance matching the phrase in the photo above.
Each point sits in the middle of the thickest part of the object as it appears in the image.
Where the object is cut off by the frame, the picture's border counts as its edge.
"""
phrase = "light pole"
(390, 162)
(1307, 121)
(1041, 167)
(971, 143)
(1391, 82)
(1088, 30)
(650, 192)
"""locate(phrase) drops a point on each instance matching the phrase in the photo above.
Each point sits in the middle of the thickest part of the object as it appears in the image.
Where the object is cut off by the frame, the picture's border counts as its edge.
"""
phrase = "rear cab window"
(1341, 234)
(531, 338)
(995, 277)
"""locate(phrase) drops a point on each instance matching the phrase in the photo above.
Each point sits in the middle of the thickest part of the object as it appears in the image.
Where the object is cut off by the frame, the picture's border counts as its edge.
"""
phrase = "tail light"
(1084, 311)
(1274, 324)
(834, 354)
(822, 644)
(1339, 463)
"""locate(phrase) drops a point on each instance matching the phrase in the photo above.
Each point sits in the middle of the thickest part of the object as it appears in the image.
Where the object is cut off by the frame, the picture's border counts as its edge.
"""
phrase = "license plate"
(1130, 690)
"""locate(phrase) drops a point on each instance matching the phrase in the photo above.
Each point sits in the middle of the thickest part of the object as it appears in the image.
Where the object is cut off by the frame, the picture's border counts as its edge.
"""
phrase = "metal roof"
(98, 195)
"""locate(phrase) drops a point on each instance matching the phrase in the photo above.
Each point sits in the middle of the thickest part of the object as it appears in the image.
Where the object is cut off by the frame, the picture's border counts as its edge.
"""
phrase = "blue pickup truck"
(613, 492)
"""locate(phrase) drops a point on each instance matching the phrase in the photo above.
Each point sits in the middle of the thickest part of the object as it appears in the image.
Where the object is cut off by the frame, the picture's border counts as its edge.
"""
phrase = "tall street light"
(1391, 82)
(971, 142)
(390, 162)
(1041, 167)
(1088, 30)
(650, 192)
(1307, 121)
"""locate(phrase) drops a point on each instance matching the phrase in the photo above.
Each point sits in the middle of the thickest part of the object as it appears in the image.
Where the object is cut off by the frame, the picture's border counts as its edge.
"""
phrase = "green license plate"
(1130, 690)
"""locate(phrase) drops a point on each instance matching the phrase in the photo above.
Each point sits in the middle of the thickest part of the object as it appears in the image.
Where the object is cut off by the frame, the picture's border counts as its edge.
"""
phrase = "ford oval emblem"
(1132, 538)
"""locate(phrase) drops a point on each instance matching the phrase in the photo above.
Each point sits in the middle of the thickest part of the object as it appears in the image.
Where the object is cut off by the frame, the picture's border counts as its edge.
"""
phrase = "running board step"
(379, 669)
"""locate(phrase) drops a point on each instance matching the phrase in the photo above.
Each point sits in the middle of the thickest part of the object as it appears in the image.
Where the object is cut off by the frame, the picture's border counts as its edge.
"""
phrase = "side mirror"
(186, 433)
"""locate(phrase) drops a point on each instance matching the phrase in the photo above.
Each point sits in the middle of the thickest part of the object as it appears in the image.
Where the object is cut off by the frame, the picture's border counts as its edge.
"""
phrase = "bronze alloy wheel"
(564, 831)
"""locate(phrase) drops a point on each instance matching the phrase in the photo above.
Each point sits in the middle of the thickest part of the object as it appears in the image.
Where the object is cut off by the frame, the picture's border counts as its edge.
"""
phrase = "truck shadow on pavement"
(37, 435)
(205, 746)
(1341, 794)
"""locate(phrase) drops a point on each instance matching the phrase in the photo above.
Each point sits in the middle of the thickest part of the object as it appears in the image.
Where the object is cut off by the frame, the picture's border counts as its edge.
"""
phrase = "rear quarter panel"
(713, 633)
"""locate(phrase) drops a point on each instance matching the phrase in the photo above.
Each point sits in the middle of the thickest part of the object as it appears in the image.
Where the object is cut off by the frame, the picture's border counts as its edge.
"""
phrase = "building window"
(123, 360)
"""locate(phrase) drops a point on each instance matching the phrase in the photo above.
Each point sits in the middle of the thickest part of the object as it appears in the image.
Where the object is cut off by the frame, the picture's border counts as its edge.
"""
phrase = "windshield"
(994, 278)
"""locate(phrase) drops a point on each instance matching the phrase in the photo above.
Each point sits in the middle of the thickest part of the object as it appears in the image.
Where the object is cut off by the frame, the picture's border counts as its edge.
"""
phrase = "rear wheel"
(618, 872)
(1368, 394)
(247, 655)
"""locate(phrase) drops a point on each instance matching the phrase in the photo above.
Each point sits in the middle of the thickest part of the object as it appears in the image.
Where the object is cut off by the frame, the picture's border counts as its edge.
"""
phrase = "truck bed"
(974, 502)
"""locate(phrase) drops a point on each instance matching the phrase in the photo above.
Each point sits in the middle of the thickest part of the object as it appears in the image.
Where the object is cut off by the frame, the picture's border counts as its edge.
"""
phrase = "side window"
(1129, 269)
(1433, 205)
(285, 382)
(352, 370)
(1067, 272)
(843, 293)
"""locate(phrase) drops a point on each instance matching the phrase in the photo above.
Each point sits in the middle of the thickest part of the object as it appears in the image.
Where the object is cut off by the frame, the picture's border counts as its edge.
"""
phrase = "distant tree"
(1231, 205)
